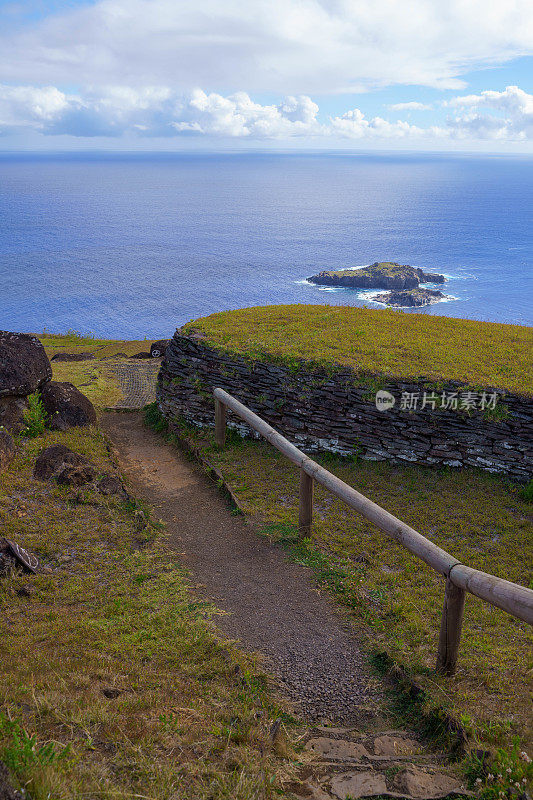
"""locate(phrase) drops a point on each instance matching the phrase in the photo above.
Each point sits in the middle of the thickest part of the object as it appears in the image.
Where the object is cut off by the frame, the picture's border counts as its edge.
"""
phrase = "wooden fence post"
(450, 628)
(220, 423)
(305, 516)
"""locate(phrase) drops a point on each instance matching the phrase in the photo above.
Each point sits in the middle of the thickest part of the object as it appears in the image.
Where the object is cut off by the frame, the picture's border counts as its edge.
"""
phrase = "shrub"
(154, 419)
(35, 419)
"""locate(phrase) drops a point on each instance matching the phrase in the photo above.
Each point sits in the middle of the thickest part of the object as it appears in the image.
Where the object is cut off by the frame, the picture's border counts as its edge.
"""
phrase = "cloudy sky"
(234, 74)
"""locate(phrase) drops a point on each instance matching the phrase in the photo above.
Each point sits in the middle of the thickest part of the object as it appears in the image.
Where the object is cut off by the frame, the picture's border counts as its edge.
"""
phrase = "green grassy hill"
(379, 342)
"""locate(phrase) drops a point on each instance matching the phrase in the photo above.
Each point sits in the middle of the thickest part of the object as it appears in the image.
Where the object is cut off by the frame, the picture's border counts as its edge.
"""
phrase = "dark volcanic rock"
(72, 475)
(7, 449)
(66, 406)
(410, 299)
(24, 365)
(65, 466)
(109, 484)
(53, 459)
(380, 275)
(158, 348)
(12, 412)
(72, 357)
(142, 354)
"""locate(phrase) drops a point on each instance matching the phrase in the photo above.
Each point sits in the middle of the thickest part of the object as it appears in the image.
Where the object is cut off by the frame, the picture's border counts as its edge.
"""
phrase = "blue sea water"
(132, 246)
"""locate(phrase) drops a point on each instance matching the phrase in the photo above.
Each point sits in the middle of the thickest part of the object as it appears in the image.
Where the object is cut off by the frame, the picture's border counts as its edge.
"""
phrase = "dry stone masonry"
(336, 411)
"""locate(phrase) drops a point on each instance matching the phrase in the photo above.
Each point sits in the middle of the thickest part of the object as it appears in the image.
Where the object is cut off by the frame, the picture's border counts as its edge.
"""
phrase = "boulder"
(7, 449)
(76, 475)
(142, 354)
(12, 410)
(157, 350)
(64, 466)
(51, 460)
(110, 484)
(72, 357)
(66, 406)
(24, 365)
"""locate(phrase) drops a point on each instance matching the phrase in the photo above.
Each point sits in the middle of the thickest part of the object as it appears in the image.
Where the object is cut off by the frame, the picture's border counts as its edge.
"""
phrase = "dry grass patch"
(379, 342)
(115, 684)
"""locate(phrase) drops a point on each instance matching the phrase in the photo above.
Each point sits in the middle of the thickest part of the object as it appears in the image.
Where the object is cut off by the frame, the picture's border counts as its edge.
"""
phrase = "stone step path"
(137, 381)
(347, 764)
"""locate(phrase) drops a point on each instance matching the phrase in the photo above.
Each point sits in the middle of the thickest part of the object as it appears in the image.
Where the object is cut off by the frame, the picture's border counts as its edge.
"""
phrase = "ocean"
(133, 246)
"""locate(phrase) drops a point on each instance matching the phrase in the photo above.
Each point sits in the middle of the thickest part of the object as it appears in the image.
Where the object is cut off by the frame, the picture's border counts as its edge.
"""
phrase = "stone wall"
(337, 412)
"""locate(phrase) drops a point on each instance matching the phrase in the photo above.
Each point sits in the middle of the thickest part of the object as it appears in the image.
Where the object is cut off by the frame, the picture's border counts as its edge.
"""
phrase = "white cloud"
(238, 115)
(506, 115)
(294, 46)
(411, 106)
(154, 111)
(354, 125)
(27, 105)
(160, 111)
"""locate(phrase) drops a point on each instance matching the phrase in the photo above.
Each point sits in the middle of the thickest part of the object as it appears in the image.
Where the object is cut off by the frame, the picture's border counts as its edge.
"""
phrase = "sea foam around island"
(369, 295)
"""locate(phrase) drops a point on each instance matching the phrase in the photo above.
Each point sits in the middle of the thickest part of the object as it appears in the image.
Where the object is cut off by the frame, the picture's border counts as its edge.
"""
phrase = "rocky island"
(412, 298)
(380, 275)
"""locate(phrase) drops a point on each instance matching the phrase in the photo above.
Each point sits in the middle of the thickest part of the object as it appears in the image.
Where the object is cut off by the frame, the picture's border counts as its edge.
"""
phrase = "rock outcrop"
(412, 298)
(66, 406)
(380, 275)
(24, 365)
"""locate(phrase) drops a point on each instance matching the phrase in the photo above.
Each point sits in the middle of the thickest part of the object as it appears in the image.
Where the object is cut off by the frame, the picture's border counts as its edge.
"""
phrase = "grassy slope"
(193, 715)
(389, 343)
(396, 600)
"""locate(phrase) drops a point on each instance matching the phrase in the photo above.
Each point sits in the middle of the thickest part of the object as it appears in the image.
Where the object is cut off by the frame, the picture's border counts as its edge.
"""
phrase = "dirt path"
(272, 605)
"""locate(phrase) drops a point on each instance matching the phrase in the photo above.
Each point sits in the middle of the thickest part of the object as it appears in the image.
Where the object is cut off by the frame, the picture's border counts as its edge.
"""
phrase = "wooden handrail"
(460, 579)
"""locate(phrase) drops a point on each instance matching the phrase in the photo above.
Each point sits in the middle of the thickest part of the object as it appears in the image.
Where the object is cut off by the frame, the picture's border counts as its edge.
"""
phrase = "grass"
(378, 342)
(394, 599)
(115, 682)
(95, 377)
(112, 691)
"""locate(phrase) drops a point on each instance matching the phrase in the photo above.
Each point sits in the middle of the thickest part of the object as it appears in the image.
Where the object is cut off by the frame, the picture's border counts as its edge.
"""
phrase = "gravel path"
(137, 381)
(272, 606)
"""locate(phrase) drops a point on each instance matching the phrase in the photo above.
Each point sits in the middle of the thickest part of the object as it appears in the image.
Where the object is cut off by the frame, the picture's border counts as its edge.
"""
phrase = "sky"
(450, 75)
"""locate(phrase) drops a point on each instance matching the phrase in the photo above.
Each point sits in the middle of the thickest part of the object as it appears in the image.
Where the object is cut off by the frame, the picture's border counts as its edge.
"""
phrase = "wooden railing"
(460, 579)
